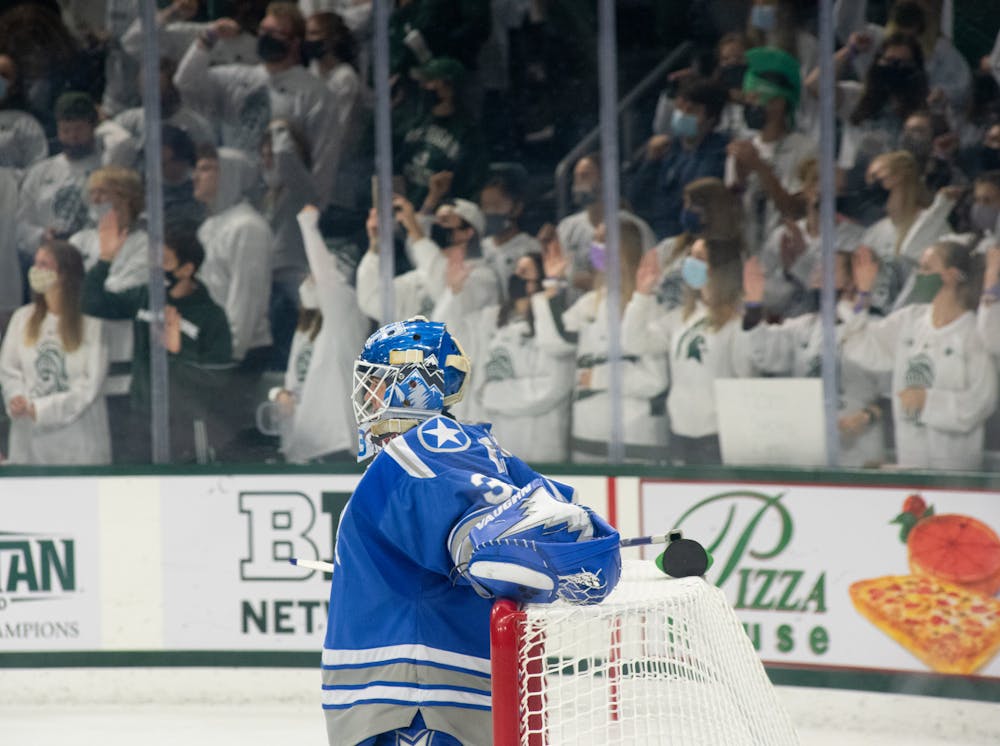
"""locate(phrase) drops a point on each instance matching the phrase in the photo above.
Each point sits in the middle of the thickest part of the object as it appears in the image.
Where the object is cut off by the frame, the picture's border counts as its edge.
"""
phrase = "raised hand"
(754, 281)
(647, 274)
(793, 244)
(864, 267)
(554, 259)
(110, 236)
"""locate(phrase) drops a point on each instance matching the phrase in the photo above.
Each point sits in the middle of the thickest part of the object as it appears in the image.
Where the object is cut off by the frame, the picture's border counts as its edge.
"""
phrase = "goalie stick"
(684, 562)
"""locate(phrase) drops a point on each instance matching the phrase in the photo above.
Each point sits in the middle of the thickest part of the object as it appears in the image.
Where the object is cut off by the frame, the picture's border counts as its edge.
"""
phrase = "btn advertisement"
(881, 578)
(227, 541)
(49, 565)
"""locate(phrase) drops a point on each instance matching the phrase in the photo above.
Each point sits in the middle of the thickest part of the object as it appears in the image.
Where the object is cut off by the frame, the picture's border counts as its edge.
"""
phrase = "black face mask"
(271, 48)
(731, 76)
(441, 236)
(77, 152)
(313, 50)
(755, 116)
(989, 158)
(517, 287)
(875, 193)
(895, 74)
(170, 279)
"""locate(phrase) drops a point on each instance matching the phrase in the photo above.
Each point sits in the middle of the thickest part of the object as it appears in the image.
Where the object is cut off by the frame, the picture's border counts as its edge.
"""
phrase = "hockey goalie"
(443, 522)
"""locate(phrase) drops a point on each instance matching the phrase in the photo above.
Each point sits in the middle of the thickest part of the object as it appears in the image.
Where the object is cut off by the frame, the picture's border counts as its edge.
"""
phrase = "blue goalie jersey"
(405, 634)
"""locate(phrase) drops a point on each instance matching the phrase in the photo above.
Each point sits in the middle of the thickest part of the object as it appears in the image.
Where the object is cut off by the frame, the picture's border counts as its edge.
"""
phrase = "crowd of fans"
(271, 251)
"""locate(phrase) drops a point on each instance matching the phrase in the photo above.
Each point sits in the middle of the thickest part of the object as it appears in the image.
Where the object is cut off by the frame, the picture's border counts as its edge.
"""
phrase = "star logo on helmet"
(439, 436)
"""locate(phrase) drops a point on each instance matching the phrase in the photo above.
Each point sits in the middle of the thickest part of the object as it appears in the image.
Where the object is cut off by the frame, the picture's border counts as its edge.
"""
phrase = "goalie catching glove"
(537, 547)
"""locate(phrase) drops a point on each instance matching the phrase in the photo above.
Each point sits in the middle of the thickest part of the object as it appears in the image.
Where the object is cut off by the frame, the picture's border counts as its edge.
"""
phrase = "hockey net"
(660, 661)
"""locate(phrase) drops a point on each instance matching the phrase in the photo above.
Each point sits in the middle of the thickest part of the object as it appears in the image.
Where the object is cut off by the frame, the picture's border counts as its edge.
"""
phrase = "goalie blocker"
(538, 547)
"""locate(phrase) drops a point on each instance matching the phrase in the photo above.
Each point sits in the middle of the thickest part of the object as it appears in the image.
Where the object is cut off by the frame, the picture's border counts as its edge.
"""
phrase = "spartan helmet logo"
(697, 347)
(500, 367)
(50, 366)
(68, 209)
(920, 371)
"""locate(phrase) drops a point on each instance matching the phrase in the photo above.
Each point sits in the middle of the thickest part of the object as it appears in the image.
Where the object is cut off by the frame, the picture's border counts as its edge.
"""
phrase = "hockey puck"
(684, 558)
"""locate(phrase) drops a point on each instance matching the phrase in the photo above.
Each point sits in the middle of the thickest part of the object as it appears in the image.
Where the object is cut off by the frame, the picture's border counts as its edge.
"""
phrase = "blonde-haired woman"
(583, 328)
(711, 211)
(53, 363)
(913, 222)
(702, 340)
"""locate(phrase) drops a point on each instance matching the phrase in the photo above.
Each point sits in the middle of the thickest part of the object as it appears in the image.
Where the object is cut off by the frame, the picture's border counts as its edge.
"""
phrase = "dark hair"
(909, 15)
(876, 95)
(989, 177)
(339, 39)
(708, 93)
(181, 236)
(510, 179)
(507, 307)
(179, 142)
(964, 258)
(76, 106)
(207, 151)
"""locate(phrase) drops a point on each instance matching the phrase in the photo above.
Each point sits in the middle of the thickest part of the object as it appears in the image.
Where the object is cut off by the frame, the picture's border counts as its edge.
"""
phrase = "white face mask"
(97, 211)
(307, 295)
(42, 279)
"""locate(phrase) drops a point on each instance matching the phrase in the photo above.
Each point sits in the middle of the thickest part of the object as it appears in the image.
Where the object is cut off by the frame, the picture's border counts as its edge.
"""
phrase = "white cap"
(471, 214)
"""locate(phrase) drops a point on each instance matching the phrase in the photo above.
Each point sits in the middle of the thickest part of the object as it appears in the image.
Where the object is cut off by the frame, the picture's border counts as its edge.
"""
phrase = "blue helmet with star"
(407, 372)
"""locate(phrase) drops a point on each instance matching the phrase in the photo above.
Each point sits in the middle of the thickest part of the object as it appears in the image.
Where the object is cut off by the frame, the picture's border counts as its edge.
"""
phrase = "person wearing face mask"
(710, 210)
(285, 168)
(440, 138)
(52, 203)
(502, 201)
(52, 367)
(22, 139)
(576, 231)
(764, 167)
(792, 251)
(948, 74)
(196, 337)
(331, 52)
(944, 383)
(518, 381)
(730, 53)
(116, 198)
(316, 398)
(872, 113)
(448, 267)
(912, 222)
(929, 139)
(244, 98)
(702, 341)
(795, 348)
(580, 329)
(695, 150)
(777, 24)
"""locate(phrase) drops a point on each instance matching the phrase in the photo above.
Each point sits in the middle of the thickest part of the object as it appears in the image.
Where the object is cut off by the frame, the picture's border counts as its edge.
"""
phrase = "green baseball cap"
(442, 68)
(772, 72)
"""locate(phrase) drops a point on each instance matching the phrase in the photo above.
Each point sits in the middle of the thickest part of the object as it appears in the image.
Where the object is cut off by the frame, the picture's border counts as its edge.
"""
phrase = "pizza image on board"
(948, 627)
(944, 613)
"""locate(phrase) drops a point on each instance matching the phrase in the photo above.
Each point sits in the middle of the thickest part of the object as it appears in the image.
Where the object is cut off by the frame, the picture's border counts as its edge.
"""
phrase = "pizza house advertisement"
(883, 578)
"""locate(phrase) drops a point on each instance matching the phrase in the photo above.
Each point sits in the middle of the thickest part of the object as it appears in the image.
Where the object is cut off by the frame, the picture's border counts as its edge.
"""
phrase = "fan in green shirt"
(195, 331)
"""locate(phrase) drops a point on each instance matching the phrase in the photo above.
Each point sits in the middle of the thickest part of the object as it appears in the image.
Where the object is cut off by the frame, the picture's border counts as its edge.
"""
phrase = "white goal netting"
(661, 661)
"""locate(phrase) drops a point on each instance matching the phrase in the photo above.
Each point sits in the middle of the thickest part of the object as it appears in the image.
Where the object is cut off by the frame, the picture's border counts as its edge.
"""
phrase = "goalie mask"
(408, 372)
